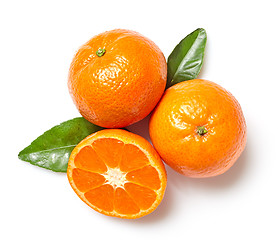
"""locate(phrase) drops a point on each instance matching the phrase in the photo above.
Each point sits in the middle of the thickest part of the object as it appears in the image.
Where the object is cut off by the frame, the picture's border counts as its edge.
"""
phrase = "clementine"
(117, 78)
(117, 173)
(198, 128)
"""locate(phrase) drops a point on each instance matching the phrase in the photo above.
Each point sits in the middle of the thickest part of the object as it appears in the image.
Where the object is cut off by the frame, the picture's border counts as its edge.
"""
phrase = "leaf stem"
(201, 130)
(100, 52)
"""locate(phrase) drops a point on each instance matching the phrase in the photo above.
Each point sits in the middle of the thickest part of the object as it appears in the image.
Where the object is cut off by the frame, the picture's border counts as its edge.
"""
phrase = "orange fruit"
(117, 173)
(117, 78)
(198, 128)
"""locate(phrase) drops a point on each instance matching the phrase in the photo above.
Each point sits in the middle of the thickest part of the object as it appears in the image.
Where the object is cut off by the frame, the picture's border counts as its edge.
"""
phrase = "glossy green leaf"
(52, 149)
(186, 60)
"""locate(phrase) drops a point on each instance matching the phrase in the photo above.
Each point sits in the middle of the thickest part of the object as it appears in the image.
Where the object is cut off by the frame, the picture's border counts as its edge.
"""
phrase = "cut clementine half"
(117, 173)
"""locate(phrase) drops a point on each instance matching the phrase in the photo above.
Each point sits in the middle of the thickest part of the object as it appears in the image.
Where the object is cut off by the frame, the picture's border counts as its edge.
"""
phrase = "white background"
(38, 40)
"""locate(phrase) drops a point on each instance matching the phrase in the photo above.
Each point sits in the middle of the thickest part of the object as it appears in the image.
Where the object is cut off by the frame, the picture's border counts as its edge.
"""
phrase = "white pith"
(115, 177)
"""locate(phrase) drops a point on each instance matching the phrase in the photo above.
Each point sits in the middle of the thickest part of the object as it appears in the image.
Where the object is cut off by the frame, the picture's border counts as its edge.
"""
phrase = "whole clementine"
(117, 78)
(198, 128)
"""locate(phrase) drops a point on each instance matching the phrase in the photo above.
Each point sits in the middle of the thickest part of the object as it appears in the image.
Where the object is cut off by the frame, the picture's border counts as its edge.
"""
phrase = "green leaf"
(186, 60)
(52, 149)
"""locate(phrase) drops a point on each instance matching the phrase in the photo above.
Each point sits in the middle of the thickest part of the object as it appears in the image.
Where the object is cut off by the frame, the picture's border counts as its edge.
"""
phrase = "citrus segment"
(124, 204)
(82, 160)
(129, 182)
(146, 176)
(142, 201)
(109, 150)
(132, 158)
(101, 197)
(85, 181)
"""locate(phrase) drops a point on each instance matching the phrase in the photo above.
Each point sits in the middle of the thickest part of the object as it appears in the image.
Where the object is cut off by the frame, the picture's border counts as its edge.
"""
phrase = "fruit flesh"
(116, 178)
(111, 188)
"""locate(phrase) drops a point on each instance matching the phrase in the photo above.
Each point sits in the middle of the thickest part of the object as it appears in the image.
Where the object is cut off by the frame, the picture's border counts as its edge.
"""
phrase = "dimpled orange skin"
(175, 121)
(123, 85)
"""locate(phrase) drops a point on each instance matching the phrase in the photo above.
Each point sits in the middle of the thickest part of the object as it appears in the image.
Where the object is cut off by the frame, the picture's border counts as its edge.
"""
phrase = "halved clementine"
(117, 173)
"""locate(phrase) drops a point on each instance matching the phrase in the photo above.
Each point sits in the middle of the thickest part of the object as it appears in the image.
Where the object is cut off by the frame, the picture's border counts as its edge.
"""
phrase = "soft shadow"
(232, 176)
(141, 128)
(162, 211)
(225, 180)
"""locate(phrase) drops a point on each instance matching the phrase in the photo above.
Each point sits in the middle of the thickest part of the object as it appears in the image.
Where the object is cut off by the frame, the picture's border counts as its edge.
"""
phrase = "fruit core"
(115, 177)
